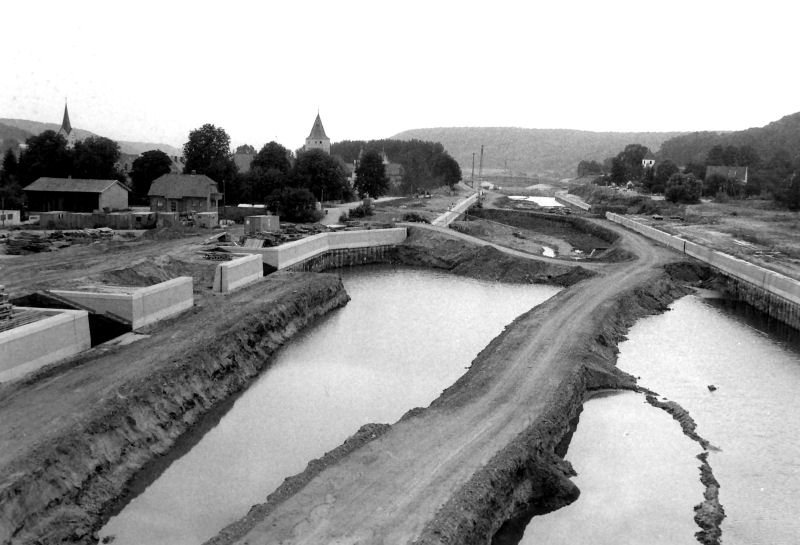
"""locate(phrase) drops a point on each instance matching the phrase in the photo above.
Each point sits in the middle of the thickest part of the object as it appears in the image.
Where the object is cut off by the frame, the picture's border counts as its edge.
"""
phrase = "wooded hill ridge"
(546, 152)
(21, 129)
(783, 134)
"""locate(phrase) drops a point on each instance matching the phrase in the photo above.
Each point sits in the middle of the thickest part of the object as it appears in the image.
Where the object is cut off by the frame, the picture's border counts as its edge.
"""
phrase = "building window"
(173, 206)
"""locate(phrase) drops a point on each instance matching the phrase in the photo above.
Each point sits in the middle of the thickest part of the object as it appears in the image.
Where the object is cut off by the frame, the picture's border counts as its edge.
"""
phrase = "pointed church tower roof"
(66, 127)
(317, 131)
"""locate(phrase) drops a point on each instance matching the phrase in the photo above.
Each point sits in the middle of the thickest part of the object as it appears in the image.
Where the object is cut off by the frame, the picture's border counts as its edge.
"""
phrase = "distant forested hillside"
(31, 128)
(11, 137)
(783, 134)
(546, 152)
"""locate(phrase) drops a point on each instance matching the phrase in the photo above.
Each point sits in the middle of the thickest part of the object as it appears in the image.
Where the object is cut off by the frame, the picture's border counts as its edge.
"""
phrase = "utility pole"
(480, 167)
(472, 177)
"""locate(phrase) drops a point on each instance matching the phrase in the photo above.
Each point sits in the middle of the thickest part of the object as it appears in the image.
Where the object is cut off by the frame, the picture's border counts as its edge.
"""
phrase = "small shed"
(261, 224)
(9, 217)
(76, 195)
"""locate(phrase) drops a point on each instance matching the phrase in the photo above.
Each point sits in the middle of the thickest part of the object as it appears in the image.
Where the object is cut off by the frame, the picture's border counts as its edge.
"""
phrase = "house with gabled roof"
(76, 195)
(317, 139)
(184, 193)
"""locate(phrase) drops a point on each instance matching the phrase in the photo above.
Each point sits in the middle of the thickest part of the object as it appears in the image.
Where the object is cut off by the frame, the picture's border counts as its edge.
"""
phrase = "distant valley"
(547, 152)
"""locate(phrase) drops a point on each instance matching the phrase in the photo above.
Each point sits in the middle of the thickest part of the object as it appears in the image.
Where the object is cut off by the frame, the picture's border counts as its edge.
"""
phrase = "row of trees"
(779, 176)
(47, 154)
(426, 165)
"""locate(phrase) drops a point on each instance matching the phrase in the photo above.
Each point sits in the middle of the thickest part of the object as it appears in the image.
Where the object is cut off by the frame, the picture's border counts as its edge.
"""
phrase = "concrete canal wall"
(138, 306)
(773, 293)
(26, 348)
(244, 269)
(293, 253)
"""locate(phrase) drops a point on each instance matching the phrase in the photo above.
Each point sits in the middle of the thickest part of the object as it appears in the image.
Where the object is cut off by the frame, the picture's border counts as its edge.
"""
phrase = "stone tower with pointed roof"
(66, 128)
(317, 139)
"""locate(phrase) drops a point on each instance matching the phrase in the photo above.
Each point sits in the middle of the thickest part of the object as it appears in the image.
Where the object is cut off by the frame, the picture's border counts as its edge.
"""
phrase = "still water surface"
(753, 417)
(405, 336)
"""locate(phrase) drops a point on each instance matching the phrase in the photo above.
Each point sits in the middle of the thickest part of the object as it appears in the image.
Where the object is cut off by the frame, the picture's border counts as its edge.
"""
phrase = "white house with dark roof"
(649, 160)
(184, 193)
(76, 195)
(317, 139)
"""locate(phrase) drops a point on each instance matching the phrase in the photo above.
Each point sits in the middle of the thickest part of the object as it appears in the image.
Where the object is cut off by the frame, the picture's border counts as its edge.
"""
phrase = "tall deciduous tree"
(96, 157)
(272, 156)
(246, 148)
(10, 192)
(45, 155)
(371, 176)
(664, 170)
(321, 174)
(146, 168)
(447, 170)
(208, 152)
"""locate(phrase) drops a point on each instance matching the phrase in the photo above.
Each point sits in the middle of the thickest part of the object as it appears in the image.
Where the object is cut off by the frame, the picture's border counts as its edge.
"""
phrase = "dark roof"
(318, 131)
(732, 173)
(177, 186)
(72, 185)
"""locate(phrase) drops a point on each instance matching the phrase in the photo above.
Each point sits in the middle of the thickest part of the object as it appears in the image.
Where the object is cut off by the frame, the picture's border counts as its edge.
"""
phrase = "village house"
(184, 193)
(736, 174)
(649, 160)
(76, 195)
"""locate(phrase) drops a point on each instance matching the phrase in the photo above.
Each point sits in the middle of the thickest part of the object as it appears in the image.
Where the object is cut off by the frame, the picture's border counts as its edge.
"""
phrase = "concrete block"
(245, 269)
(24, 349)
(139, 306)
(261, 224)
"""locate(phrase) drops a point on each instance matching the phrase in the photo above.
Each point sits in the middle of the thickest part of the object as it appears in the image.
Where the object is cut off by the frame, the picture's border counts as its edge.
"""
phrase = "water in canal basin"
(752, 416)
(406, 335)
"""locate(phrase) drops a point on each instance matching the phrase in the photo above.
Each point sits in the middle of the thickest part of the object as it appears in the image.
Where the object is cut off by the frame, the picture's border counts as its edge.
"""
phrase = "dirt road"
(388, 490)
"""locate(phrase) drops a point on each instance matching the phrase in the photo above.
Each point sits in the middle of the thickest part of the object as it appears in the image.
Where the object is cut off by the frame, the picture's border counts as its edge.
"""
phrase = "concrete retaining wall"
(574, 200)
(291, 253)
(141, 306)
(776, 284)
(245, 269)
(31, 346)
(451, 215)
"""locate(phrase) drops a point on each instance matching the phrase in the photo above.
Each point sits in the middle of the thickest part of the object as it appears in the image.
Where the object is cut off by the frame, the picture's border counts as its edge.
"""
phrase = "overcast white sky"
(154, 70)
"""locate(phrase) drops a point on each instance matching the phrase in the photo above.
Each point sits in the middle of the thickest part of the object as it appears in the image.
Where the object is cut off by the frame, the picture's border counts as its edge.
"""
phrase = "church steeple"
(317, 139)
(66, 127)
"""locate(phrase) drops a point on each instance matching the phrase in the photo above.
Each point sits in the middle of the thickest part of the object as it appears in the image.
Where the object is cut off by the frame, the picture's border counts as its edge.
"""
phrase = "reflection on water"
(404, 337)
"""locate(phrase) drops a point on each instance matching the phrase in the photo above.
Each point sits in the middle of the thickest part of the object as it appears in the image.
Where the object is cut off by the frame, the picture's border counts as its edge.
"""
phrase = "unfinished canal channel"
(406, 335)
(638, 473)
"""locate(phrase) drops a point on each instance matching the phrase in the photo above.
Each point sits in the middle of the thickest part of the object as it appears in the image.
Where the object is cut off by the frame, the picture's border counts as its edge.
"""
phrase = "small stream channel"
(406, 335)
(638, 474)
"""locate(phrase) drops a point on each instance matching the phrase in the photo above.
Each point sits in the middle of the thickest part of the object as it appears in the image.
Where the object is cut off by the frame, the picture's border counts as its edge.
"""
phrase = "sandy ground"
(389, 489)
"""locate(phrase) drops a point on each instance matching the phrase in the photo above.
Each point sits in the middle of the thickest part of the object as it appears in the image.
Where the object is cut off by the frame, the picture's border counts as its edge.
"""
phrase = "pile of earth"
(150, 271)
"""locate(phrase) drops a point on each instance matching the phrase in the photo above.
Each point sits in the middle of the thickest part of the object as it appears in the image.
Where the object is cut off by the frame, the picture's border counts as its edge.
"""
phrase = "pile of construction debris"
(287, 233)
(28, 242)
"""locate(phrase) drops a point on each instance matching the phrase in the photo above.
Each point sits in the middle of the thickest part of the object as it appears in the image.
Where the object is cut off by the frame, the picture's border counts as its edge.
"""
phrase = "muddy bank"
(60, 489)
(424, 248)
(529, 475)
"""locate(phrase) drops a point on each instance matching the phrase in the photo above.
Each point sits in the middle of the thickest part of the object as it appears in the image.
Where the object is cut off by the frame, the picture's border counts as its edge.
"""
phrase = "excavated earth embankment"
(56, 488)
(486, 450)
